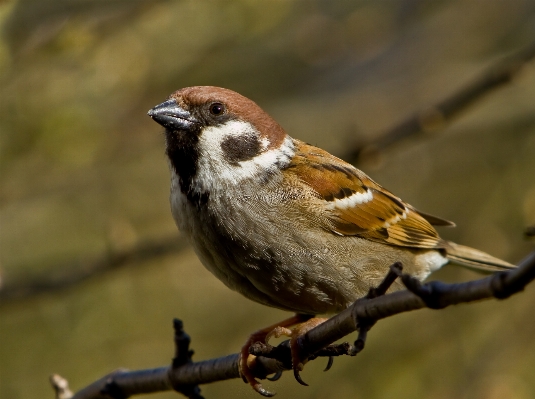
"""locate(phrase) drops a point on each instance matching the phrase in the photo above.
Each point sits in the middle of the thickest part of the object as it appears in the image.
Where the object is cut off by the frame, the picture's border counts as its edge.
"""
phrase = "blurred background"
(84, 179)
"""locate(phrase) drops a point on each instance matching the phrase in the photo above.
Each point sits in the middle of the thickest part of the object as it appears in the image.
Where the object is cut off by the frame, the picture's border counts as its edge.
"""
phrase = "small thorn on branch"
(183, 356)
(61, 386)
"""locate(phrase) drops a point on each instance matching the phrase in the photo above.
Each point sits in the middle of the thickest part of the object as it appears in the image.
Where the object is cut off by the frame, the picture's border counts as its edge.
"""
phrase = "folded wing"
(356, 205)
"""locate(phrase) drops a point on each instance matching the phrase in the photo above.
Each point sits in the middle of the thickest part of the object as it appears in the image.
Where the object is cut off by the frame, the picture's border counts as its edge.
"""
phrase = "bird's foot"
(247, 361)
(295, 334)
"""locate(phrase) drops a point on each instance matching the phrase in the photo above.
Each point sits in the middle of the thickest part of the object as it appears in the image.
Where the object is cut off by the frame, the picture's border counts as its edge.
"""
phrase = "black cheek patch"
(240, 148)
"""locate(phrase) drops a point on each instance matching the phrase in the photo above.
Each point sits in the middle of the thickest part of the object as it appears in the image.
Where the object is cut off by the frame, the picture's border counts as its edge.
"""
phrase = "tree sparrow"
(285, 223)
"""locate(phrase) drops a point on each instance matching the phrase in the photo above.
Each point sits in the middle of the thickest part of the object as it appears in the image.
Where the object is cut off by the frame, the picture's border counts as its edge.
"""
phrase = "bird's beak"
(171, 116)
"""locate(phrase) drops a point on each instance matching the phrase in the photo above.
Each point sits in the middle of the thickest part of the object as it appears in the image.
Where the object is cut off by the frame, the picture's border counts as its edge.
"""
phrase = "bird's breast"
(258, 243)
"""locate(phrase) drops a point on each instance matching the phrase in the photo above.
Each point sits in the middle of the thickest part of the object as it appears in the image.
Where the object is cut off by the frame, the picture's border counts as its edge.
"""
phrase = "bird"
(285, 223)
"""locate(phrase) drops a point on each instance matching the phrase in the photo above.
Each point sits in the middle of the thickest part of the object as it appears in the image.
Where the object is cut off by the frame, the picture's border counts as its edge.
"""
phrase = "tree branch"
(75, 272)
(185, 376)
(436, 117)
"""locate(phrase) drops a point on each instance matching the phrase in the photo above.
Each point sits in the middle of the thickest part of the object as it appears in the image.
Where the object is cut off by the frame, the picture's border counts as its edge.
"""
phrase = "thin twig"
(183, 356)
(437, 116)
(364, 325)
(61, 387)
(78, 271)
(499, 285)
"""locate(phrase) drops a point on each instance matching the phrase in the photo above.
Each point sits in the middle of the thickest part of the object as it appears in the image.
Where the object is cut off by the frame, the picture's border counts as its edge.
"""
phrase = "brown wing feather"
(356, 205)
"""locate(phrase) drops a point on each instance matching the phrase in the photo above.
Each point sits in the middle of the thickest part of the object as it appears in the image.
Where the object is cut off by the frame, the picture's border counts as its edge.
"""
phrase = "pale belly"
(278, 263)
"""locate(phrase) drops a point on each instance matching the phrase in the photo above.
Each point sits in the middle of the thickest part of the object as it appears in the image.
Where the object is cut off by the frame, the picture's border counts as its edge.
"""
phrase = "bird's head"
(216, 136)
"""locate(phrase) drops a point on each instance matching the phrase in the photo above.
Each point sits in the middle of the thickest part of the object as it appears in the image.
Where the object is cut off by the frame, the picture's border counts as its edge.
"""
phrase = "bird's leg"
(247, 361)
(295, 333)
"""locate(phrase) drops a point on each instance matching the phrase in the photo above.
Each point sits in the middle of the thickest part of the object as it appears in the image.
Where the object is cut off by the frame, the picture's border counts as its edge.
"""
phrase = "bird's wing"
(356, 205)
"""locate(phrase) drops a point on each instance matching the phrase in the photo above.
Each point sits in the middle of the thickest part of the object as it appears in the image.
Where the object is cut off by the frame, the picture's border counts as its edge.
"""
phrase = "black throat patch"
(183, 152)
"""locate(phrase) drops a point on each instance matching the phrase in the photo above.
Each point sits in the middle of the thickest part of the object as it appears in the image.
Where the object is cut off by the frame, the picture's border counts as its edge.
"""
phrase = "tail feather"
(475, 259)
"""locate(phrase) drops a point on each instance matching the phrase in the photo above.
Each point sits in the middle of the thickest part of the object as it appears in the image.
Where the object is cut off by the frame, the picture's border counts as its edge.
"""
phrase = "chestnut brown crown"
(232, 105)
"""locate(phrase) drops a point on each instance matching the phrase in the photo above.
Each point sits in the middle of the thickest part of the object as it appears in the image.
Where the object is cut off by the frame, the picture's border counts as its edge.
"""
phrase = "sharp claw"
(276, 377)
(298, 377)
(264, 392)
(329, 363)
(244, 379)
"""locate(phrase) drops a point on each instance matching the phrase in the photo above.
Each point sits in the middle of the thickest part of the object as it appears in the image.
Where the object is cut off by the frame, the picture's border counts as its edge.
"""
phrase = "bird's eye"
(217, 109)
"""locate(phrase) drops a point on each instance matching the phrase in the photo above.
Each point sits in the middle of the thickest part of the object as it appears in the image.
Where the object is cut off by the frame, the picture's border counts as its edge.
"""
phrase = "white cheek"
(268, 160)
(214, 169)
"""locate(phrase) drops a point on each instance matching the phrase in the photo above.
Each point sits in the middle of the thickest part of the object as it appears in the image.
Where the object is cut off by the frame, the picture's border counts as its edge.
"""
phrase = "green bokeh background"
(83, 173)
